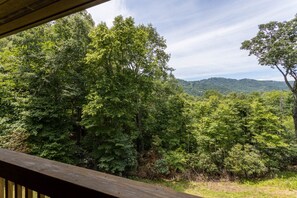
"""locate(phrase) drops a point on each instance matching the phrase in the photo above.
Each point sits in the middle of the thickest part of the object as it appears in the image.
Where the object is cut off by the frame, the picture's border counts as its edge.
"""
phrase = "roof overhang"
(18, 15)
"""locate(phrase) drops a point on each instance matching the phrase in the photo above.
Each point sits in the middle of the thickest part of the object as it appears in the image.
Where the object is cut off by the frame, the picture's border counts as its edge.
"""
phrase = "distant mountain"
(226, 85)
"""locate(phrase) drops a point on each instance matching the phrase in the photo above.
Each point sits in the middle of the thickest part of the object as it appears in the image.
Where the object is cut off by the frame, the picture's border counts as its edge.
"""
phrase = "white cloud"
(215, 49)
(107, 11)
(204, 37)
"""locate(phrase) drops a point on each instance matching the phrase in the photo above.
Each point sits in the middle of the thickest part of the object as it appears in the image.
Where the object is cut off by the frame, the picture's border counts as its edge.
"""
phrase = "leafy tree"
(47, 82)
(219, 123)
(276, 46)
(126, 63)
(105, 98)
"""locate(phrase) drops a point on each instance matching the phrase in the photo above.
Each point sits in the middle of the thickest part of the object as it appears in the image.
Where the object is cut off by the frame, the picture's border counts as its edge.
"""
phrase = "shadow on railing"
(26, 176)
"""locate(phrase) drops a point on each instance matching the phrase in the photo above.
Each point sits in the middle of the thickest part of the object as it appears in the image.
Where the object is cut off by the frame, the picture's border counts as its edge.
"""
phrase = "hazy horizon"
(229, 78)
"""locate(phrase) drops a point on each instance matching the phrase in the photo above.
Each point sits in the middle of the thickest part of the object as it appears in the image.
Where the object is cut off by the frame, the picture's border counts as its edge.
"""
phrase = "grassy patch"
(283, 185)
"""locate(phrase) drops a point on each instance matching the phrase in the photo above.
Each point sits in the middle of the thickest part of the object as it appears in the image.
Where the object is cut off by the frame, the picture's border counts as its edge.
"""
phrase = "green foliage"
(245, 161)
(42, 79)
(176, 161)
(127, 64)
(275, 46)
(161, 167)
(171, 163)
(203, 163)
(221, 123)
(105, 98)
(117, 155)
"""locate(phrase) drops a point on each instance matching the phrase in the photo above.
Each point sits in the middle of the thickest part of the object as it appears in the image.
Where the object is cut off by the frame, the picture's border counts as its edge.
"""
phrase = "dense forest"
(227, 85)
(105, 98)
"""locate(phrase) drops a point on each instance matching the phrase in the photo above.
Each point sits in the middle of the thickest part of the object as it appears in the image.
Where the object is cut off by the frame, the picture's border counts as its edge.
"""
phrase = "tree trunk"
(77, 128)
(140, 129)
(293, 88)
(295, 114)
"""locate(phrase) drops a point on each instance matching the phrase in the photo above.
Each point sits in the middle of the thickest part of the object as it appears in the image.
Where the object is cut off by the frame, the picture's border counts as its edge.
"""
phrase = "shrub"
(171, 163)
(161, 167)
(203, 163)
(176, 161)
(245, 161)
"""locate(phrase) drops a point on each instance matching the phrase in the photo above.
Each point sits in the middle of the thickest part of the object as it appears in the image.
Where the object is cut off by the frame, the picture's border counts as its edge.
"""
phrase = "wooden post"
(2, 187)
(18, 191)
(29, 193)
(41, 195)
(10, 189)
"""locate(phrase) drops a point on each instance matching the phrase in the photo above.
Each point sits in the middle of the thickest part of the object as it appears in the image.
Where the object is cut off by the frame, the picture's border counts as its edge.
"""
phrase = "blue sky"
(204, 36)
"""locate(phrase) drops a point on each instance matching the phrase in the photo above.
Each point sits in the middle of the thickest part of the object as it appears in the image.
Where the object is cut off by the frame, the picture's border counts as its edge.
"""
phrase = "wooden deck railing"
(26, 176)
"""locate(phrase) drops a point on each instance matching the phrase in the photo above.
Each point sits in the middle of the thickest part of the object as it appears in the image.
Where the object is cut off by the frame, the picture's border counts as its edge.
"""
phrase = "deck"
(26, 176)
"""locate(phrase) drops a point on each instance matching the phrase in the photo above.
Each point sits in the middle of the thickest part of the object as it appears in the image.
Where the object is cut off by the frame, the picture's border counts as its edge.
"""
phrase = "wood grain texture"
(2, 187)
(57, 179)
(10, 189)
(18, 191)
(34, 17)
(28, 193)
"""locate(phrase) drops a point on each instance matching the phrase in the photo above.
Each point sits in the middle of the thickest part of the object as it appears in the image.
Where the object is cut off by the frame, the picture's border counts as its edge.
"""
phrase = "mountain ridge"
(228, 85)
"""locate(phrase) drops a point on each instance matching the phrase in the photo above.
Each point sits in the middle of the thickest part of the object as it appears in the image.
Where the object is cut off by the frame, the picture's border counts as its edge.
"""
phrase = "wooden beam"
(45, 13)
(57, 179)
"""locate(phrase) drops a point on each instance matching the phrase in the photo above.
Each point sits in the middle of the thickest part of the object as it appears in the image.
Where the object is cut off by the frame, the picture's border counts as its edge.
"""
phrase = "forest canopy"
(275, 45)
(105, 98)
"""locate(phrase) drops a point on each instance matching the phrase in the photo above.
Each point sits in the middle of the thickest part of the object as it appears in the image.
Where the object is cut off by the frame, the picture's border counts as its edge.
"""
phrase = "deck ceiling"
(18, 15)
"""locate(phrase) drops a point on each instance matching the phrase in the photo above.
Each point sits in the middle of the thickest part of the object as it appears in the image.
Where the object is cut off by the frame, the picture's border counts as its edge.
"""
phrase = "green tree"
(42, 68)
(276, 46)
(126, 62)
(219, 123)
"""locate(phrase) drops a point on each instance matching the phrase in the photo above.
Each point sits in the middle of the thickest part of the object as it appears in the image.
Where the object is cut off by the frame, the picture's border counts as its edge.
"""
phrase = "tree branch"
(286, 78)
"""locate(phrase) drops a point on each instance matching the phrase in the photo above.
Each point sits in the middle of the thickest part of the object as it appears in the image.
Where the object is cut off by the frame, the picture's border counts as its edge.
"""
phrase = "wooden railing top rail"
(57, 179)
